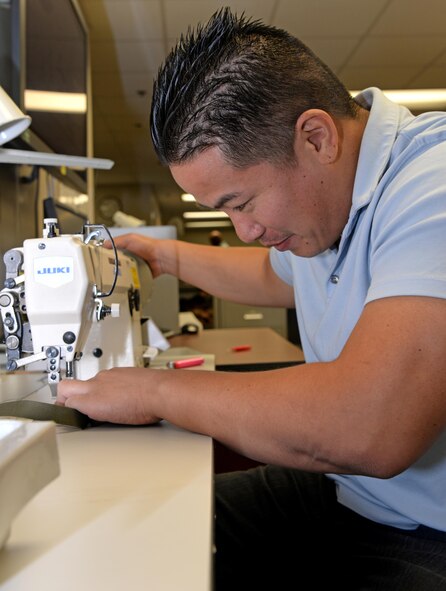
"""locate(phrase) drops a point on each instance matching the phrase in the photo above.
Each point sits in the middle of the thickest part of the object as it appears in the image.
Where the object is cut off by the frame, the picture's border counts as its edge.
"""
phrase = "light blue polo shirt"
(394, 243)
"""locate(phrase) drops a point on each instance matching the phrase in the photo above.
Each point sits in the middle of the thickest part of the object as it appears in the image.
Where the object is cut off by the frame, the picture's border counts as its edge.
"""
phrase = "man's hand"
(118, 395)
(147, 248)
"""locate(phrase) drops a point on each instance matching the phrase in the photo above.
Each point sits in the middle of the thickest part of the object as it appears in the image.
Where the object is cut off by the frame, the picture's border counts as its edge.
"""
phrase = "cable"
(96, 234)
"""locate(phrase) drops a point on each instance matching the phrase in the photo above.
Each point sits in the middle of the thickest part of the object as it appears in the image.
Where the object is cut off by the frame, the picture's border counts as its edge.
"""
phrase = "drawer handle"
(253, 316)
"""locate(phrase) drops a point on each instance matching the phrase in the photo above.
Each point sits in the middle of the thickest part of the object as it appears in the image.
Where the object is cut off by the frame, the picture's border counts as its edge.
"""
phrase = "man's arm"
(375, 410)
(233, 273)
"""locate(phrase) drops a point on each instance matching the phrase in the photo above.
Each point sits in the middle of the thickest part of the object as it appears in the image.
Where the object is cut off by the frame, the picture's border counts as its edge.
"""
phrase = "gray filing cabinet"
(230, 315)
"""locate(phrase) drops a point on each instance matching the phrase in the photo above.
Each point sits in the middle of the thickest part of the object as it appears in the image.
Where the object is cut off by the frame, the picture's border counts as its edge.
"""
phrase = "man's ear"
(317, 135)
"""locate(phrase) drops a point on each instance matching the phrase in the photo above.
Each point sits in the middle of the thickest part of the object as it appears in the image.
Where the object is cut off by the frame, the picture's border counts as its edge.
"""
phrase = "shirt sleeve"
(408, 236)
(281, 265)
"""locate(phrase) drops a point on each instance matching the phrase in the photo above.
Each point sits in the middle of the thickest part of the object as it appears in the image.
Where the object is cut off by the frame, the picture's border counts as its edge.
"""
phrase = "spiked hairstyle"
(239, 85)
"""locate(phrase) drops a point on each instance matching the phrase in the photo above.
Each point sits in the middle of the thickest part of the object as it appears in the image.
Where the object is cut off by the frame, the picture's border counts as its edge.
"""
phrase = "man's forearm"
(233, 273)
(273, 424)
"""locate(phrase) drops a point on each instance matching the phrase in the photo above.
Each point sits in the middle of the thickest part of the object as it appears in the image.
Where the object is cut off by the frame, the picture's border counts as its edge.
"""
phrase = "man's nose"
(247, 229)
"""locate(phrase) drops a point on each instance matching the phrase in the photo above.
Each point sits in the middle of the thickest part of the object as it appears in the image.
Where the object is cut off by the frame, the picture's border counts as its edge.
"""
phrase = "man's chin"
(304, 249)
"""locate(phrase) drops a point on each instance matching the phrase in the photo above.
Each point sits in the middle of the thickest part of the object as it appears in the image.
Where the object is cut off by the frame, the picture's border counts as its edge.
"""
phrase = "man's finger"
(68, 388)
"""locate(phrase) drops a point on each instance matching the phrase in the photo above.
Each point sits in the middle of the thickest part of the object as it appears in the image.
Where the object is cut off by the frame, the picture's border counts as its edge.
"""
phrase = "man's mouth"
(281, 245)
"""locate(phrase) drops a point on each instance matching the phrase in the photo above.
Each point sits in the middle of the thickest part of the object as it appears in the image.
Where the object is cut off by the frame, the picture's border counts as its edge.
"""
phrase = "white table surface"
(132, 509)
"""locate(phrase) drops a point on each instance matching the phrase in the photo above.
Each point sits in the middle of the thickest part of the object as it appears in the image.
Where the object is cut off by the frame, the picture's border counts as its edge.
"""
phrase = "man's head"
(241, 86)
(215, 237)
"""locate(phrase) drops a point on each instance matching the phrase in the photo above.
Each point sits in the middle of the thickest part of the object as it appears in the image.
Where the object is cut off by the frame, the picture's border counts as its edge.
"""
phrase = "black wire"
(116, 264)
(115, 252)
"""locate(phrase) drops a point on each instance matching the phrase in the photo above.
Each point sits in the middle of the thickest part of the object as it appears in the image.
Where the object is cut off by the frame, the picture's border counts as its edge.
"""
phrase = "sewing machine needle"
(53, 389)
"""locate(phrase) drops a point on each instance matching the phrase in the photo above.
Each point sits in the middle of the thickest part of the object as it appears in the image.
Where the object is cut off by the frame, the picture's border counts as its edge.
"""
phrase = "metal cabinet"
(230, 315)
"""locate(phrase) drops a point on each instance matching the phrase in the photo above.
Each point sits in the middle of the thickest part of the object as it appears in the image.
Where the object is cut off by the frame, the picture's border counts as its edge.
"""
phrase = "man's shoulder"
(419, 133)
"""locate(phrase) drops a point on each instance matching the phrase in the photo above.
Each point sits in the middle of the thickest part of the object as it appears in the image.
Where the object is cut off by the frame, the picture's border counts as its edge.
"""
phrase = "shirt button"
(334, 278)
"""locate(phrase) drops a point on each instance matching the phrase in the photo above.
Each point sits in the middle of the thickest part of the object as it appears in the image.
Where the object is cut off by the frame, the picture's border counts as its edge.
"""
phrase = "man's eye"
(240, 207)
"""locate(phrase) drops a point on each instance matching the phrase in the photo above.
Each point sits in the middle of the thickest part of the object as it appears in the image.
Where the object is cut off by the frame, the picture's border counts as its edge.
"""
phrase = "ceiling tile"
(110, 105)
(357, 78)
(412, 17)
(182, 13)
(123, 19)
(127, 56)
(407, 51)
(327, 18)
(334, 51)
(429, 77)
(386, 43)
(441, 60)
(125, 84)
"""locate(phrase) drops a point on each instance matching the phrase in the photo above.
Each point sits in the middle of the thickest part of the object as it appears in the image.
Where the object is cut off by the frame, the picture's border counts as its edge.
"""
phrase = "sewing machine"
(71, 307)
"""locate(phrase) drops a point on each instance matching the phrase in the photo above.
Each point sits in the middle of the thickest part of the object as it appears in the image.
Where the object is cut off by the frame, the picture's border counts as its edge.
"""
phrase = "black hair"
(240, 85)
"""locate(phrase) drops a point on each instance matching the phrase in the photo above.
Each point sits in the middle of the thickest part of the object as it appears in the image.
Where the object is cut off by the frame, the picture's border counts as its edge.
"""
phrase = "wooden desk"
(268, 349)
(131, 509)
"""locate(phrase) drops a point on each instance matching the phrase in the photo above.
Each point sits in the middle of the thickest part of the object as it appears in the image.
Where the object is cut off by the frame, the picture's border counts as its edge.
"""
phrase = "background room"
(108, 51)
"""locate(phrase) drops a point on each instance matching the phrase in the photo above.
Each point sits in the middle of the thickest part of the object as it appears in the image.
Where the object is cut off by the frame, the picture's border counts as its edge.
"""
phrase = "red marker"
(239, 348)
(183, 363)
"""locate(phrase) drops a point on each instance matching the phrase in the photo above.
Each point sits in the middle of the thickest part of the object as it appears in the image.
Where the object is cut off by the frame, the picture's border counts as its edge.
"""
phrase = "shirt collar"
(376, 145)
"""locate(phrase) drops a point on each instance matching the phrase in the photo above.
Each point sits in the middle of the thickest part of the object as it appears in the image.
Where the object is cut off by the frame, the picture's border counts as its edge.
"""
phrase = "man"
(349, 199)
(216, 238)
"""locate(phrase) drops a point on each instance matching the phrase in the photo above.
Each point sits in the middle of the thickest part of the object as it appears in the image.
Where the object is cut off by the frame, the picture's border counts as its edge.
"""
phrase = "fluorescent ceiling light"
(75, 200)
(55, 102)
(200, 215)
(187, 198)
(426, 98)
(209, 224)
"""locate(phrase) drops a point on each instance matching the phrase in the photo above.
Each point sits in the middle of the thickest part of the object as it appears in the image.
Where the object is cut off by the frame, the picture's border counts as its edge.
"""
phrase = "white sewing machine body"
(72, 306)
